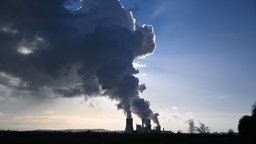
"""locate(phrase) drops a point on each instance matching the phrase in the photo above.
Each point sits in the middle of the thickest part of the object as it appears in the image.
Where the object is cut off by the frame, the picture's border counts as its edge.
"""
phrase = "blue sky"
(203, 67)
(205, 57)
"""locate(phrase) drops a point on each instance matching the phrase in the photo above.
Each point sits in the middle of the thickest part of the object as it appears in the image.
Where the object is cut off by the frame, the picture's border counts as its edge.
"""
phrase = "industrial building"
(145, 127)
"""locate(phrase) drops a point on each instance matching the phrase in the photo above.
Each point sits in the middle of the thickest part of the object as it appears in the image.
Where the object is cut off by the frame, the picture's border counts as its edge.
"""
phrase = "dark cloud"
(88, 52)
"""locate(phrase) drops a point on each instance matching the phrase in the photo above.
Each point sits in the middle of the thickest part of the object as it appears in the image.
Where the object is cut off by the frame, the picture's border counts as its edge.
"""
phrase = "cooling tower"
(158, 128)
(129, 127)
(146, 124)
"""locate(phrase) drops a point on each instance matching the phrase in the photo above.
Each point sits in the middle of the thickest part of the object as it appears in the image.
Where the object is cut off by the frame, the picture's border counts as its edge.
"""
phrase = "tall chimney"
(158, 128)
(148, 125)
(129, 127)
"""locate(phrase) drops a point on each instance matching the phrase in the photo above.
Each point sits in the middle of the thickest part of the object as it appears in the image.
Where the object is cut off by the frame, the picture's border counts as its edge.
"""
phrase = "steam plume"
(87, 51)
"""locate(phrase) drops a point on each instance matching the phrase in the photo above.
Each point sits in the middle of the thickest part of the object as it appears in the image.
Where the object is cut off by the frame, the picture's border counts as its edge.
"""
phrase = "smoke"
(75, 48)
(200, 129)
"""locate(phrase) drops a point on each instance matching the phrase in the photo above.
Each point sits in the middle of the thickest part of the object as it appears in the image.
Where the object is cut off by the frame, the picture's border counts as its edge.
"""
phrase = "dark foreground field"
(7, 137)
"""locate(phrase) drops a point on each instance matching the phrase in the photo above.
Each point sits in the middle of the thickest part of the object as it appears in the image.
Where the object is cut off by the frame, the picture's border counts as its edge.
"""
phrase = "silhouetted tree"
(231, 131)
(244, 125)
(247, 124)
(179, 132)
(254, 110)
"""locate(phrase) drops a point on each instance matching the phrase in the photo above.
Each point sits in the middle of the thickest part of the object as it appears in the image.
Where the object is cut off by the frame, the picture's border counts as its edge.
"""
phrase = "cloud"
(222, 97)
(10, 81)
(48, 49)
(47, 112)
(175, 112)
(189, 115)
(175, 119)
(8, 30)
(160, 9)
(137, 64)
(157, 12)
(6, 93)
(91, 105)
(33, 122)
(1, 114)
(73, 5)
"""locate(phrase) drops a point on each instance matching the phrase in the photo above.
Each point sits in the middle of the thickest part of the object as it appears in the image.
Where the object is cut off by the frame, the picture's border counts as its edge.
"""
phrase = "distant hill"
(74, 130)
(85, 130)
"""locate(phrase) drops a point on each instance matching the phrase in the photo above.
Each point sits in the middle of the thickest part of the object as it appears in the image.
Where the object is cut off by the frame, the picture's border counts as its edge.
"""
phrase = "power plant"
(145, 127)
(129, 127)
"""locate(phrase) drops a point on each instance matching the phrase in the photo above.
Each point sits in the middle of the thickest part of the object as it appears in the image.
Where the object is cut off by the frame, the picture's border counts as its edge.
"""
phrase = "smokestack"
(129, 127)
(146, 124)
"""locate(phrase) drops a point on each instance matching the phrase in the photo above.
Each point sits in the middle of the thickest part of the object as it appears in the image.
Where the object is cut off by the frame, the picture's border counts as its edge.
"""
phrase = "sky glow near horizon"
(203, 68)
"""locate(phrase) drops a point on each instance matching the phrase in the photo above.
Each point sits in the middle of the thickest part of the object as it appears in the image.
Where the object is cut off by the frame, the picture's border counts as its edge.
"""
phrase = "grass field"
(8, 137)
